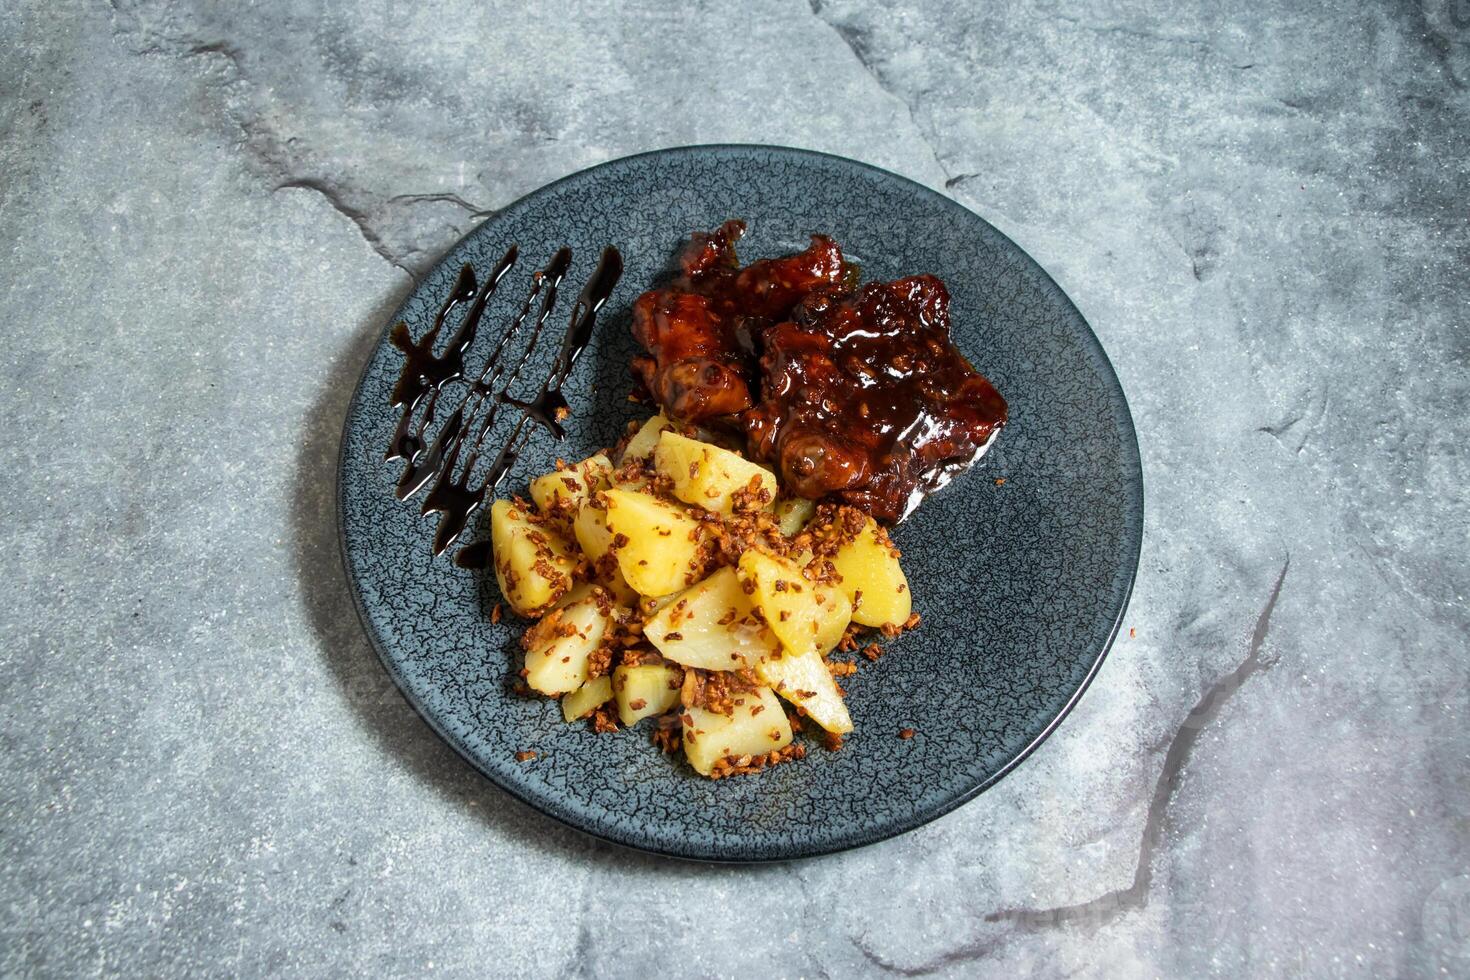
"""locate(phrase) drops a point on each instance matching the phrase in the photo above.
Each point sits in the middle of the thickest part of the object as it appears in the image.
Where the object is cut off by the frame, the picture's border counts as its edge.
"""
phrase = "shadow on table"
(349, 655)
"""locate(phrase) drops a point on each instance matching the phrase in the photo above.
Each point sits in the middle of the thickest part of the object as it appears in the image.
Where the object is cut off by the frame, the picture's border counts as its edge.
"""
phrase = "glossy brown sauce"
(864, 397)
(700, 329)
(447, 466)
(854, 393)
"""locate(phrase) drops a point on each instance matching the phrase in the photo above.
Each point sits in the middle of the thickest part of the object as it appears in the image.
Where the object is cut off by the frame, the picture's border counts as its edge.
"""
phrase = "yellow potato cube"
(708, 476)
(582, 590)
(873, 579)
(576, 593)
(806, 618)
(642, 444)
(712, 626)
(755, 727)
(662, 541)
(645, 690)
(560, 493)
(793, 513)
(587, 698)
(804, 680)
(595, 539)
(590, 529)
(618, 586)
(533, 564)
(558, 646)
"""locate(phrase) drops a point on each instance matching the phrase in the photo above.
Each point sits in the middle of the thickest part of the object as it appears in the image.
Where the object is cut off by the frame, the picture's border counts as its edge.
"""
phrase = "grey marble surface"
(207, 211)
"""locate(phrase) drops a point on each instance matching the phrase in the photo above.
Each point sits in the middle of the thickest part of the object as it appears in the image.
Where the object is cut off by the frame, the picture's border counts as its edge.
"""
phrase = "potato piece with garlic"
(792, 513)
(806, 617)
(590, 529)
(595, 539)
(643, 443)
(587, 698)
(656, 542)
(756, 726)
(644, 690)
(561, 493)
(558, 646)
(590, 526)
(710, 477)
(804, 680)
(712, 625)
(873, 579)
(533, 564)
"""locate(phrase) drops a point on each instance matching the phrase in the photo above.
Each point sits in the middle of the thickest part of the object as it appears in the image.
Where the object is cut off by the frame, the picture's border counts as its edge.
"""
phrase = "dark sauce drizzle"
(425, 376)
(442, 456)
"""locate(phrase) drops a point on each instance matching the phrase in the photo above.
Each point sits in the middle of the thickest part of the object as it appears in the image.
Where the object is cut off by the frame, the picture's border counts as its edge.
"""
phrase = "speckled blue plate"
(1021, 584)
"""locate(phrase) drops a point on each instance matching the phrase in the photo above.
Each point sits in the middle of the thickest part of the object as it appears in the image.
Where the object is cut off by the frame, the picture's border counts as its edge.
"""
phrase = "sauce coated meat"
(853, 393)
(863, 397)
(699, 329)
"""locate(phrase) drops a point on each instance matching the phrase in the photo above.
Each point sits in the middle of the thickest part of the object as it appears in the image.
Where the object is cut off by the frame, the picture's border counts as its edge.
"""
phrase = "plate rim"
(1133, 521)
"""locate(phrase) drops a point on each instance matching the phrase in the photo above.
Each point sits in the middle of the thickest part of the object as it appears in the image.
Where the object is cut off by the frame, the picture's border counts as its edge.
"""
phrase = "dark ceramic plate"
(1021, 584)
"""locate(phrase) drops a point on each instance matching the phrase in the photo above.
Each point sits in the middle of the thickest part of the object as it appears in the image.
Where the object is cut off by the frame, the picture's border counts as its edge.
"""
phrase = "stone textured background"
(207, 211)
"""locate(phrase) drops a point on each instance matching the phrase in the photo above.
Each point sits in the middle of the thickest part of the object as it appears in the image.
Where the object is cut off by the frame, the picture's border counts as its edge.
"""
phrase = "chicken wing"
(864, 397)
(699, 329)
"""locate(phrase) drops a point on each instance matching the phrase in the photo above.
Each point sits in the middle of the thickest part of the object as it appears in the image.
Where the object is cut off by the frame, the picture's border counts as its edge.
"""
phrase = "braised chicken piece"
(863, 397)
(853, 393)
(698, 329)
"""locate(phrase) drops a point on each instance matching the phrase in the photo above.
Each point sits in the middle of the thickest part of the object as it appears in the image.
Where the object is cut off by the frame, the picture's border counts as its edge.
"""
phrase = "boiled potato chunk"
(873, 580)
(619, 588)
(792, 513)
(805, 617)
(642, 445)
(649, 606)
(645, 690)
(708, 476)
(563, 491)
(804, 680)
(755, 727)
(575, 594)
(533, 564)
(587, 698)
(590, 529)
(593, 537)
(558, 646)
(662, 541)
(582, 590)
(712, 626)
